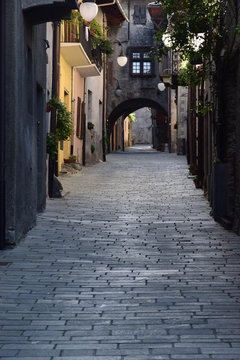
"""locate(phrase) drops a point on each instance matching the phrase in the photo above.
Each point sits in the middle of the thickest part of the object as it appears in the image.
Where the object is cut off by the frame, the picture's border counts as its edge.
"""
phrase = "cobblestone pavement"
(129, 265)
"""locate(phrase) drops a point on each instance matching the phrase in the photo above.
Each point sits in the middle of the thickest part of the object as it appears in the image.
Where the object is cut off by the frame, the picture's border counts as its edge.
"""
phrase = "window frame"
(140, 60)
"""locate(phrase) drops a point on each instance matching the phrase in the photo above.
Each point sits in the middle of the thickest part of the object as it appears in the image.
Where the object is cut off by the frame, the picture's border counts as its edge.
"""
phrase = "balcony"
(114, 11)
(41, 11)
(76, 48)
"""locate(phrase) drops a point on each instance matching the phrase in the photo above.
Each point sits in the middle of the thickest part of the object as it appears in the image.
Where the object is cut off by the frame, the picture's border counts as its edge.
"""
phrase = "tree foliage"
(195, 30)
(192, 20)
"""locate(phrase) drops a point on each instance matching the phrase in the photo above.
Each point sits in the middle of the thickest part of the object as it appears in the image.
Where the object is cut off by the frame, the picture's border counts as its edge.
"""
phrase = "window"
(89, 105)
(139, 16)
(141, 63)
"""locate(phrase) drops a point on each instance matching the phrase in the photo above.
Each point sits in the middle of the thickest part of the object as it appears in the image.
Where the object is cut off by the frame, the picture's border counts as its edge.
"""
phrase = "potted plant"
(92, 149)
(193, 169)
(99, 38)
(90, 125)
(106, 46)
(64, 126)
(196, 182)
(72, 159)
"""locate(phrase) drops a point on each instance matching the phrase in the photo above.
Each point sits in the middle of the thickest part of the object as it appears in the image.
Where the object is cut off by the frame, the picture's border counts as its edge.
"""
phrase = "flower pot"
(157, 15)
(197, 184)
(69, 161)
(48, 107)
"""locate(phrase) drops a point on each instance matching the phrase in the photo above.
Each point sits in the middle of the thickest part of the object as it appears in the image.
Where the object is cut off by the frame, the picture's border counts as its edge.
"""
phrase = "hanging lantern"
(161, 86)
(88, 10)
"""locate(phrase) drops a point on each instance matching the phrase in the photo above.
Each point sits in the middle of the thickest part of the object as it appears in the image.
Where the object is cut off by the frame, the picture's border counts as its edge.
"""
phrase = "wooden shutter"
(82, 122)
(139, 16)
(143, 14)
(136, 16)
(78, 131)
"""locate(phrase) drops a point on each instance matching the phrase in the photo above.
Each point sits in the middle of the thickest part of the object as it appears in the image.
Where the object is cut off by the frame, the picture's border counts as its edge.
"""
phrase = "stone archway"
(129, 106)
(160, 129)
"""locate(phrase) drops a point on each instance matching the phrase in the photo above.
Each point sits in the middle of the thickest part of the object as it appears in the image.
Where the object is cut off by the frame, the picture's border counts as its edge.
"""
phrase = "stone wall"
(131, 36)
(142, 127)
(26, 121)
(230, 130)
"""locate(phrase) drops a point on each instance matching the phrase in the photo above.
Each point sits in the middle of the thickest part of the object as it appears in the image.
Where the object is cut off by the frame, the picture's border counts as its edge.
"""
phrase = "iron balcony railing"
(79, 33)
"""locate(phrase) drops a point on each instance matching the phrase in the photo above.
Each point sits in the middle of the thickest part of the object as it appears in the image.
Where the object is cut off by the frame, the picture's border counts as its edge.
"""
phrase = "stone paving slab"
(129, 265)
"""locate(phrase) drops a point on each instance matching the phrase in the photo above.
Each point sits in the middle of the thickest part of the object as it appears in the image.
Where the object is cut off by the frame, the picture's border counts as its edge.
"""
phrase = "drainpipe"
(129, 23)
(108, 4)
(2, 126)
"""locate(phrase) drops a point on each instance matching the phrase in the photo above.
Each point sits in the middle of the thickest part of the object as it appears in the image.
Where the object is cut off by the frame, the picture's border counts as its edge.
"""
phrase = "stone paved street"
(128, 265)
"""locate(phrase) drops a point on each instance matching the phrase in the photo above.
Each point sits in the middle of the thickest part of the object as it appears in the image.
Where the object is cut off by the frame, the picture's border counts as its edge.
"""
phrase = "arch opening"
(151, 125)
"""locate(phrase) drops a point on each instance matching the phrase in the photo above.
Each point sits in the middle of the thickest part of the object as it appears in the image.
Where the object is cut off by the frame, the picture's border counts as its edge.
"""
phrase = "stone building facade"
(23, 153)
(139, 78)
(229, 114)
(214, 137)
(142, 127)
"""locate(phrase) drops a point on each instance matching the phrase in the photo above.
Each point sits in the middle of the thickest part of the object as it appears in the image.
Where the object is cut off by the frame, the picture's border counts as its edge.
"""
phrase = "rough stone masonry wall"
(25, 125)
(231, 111)
(142, 127)
(132, 35)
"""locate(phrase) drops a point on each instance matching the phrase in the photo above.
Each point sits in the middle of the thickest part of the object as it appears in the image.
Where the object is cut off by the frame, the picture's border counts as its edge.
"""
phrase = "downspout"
(129, 24)
(108, 4)
(2, 127)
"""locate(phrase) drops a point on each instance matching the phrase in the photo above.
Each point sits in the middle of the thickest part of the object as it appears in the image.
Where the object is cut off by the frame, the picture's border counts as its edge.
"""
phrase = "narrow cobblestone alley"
(128, 265)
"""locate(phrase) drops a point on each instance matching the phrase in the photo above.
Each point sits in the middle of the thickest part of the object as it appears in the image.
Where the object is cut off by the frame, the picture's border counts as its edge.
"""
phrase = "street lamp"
(88, 10)
(118, 90)
(122, 59)
(161, 86)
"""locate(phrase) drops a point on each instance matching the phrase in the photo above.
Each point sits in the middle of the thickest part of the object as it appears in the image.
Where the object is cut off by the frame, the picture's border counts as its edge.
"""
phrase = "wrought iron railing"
(97, 57)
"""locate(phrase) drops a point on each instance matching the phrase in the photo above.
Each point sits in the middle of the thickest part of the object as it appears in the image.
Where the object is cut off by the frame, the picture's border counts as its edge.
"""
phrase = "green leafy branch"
(195, 30)
(64, 126)
(132, 117)
(99, 38)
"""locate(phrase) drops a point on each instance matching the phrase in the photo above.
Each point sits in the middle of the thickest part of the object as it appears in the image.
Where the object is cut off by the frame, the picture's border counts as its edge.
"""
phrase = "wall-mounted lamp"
(88, 10)
(122, 58)
(118, 90)
(166, 77)
(161, 86)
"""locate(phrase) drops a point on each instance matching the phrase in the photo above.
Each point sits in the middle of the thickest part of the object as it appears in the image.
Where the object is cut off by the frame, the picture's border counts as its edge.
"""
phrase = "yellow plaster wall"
(65, 85)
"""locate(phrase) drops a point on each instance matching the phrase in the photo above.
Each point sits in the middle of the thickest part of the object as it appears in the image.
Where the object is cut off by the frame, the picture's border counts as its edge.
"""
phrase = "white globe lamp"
(118, 92)
(161, 86)
(122, 60)
(88, 10)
